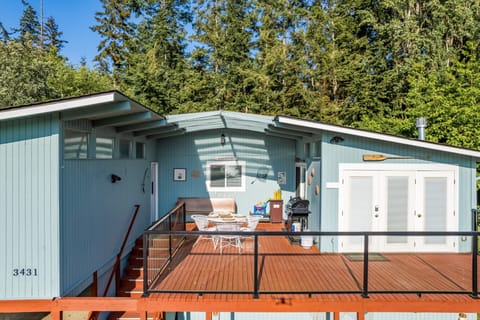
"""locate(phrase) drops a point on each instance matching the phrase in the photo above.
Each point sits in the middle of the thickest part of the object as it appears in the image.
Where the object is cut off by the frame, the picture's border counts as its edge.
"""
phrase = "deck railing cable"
(154, 259)
(364, 290)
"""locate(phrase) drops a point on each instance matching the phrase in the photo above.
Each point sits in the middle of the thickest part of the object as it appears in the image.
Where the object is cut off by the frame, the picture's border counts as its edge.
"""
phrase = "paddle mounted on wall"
(381, 157)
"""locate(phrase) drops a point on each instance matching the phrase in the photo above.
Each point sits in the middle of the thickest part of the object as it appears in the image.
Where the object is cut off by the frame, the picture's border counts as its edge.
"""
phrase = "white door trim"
(379, 174)
(153, 191)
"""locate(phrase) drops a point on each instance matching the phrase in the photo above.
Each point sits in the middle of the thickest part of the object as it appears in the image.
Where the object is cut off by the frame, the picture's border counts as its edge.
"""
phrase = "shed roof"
(114, 109)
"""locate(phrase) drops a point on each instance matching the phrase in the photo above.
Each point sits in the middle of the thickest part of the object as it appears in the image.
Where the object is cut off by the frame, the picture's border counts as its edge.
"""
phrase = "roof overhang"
(313, 126)
(111, 109)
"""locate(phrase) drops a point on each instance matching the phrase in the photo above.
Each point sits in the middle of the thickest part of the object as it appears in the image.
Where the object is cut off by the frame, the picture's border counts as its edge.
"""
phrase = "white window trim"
(243, 164)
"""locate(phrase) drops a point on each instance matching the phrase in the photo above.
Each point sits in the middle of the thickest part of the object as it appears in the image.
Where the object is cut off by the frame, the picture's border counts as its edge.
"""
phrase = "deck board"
(286, 267)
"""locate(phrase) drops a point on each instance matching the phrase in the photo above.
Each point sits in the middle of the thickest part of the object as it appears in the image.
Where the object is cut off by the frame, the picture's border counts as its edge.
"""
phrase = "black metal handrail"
(366, 235)
(170, 224)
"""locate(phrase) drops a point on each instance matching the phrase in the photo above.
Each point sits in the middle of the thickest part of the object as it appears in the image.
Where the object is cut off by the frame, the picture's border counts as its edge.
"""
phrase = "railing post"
(474, 220)
(145, 264)
(365, 266)
(255, 267)
(170, 237)
(474, 266)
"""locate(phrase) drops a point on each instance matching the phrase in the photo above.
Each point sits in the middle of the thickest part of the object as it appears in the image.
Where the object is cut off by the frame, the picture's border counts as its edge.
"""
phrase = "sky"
(74, 19)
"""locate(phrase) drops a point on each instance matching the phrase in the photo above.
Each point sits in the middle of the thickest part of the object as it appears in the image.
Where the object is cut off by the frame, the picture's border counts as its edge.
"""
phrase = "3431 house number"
(25, 272)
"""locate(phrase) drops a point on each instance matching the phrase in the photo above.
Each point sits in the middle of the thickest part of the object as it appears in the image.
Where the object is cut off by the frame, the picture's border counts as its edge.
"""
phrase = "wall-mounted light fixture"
(222, 139)
(336, 140)
(115, 178)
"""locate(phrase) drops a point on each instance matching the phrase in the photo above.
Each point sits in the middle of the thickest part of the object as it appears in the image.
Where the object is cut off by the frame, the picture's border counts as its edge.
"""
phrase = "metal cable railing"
(366, 274)
(160, 243)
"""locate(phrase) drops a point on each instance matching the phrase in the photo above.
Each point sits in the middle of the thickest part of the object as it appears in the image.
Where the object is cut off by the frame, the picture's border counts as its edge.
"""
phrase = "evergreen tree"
(52, 35)
(157, 58)
(116, 30)
(4, 34)
(224, 34)
(280, 64)
(29, 26)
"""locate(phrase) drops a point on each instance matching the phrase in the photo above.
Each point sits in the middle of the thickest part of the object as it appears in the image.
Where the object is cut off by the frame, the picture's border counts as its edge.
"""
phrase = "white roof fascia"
(57, 106)
(378, 136)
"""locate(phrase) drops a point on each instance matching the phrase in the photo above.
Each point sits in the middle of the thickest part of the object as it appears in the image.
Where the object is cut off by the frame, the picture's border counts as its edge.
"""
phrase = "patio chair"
(252, 222)
(201, 221)
(226, 241)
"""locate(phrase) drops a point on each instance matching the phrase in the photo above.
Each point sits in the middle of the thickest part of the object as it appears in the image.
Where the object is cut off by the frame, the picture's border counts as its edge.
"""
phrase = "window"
(104, 148)
(226, 176)
(124, 149)
(75, 144)
(140, 150)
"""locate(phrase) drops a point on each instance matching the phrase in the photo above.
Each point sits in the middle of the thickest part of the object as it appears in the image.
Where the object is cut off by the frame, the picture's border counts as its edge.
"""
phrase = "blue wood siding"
(314, 223)
(352, 149)
(29, 184)
(192, 151)
(96, 213)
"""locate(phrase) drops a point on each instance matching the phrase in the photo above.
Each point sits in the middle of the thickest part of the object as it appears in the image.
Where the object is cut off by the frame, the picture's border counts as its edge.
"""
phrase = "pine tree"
(52, 35)
(157, 59)
(29, 26)
(116, 30)
(223, 30)
(4, 34)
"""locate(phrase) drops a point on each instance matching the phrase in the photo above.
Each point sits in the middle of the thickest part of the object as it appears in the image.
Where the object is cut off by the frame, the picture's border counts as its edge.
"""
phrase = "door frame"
(153, 191)
(397, 169)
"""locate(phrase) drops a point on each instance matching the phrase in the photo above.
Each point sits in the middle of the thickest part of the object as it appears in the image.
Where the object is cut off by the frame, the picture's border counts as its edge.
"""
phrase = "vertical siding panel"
(25, 187)
(96, 214)
(352, 149)
(193, 151)
(3, 208)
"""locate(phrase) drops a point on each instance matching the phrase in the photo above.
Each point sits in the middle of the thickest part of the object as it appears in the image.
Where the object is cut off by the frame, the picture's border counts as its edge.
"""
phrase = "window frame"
(225, 188)
(120, 142)
(143, 150)
(113, 140)
(79, 150)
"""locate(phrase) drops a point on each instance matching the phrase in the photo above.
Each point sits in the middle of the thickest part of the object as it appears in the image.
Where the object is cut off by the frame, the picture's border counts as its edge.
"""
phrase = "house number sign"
(25, 272)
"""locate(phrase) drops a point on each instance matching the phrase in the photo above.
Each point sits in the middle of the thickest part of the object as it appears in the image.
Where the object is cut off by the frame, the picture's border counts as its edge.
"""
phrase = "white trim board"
(377, 136)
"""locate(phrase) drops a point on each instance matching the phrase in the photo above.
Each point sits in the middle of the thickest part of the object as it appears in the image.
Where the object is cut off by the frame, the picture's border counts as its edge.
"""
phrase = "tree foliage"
(32, 68)
(369, 64)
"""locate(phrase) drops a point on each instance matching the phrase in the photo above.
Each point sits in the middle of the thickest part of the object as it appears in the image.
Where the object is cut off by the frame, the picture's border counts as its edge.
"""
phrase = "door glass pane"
(360, 206)
(397, 207)
(435, 209)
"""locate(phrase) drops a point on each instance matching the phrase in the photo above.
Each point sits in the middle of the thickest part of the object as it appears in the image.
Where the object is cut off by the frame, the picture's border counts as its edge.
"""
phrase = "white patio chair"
(226, 241)
(252, 222)
(201, 222)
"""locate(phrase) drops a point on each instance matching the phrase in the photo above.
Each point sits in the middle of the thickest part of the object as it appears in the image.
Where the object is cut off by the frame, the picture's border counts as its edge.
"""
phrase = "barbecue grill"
(296, 209)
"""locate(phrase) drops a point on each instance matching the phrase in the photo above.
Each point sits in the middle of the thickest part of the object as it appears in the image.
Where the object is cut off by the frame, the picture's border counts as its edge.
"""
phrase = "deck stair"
(132, 281)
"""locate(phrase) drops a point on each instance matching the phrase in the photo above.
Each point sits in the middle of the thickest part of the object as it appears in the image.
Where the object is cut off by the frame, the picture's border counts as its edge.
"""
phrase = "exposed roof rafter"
(123, 120)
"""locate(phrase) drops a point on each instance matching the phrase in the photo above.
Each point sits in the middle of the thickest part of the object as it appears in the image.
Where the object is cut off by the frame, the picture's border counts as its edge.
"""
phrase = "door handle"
(419, 215)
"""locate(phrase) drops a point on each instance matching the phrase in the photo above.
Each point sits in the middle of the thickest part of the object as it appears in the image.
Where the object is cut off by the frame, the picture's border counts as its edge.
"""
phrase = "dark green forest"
(375, 64)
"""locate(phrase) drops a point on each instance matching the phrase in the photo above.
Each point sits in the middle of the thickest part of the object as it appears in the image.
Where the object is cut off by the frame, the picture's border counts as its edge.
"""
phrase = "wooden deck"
(291, 279)
(290, 271)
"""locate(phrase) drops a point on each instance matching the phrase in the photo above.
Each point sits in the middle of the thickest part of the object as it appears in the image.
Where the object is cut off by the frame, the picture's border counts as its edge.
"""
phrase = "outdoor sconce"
(222, 139)
(336, 140)
(115, 178)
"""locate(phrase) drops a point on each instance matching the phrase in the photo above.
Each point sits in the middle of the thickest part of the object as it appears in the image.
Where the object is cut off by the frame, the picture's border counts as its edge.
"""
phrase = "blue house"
(73, 171)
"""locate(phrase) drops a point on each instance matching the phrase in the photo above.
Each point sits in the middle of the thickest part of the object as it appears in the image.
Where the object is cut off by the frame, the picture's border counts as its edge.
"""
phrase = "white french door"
(436, 211)
(397, 200)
